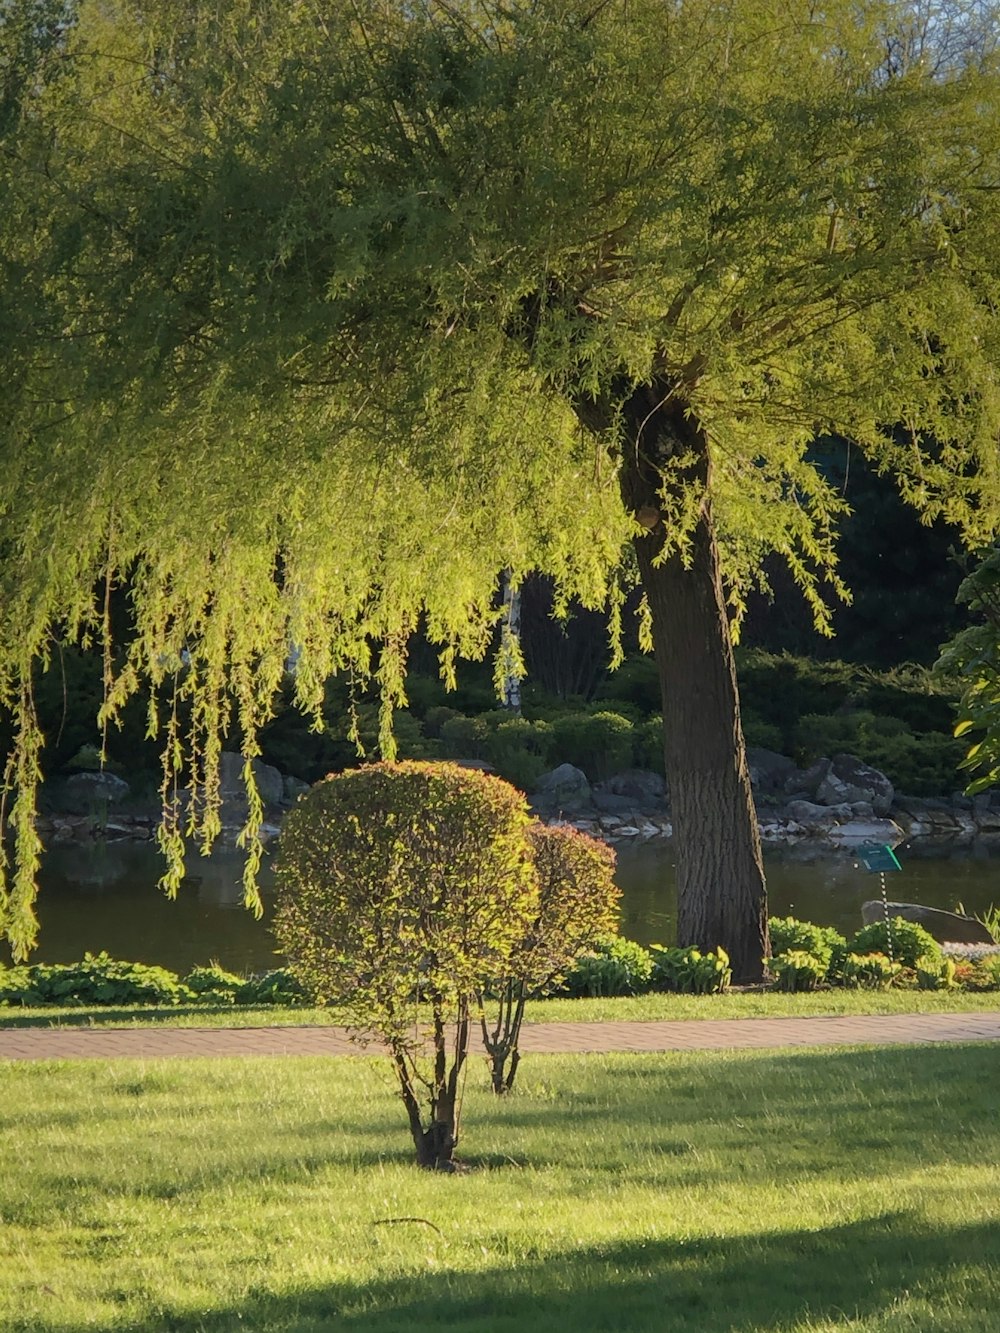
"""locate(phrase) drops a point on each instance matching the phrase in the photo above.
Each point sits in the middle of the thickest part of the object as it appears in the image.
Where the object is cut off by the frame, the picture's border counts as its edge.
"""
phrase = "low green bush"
(819, 734)
(647, 745)
(214, 985)
(16, 986)
(636, 681)
(690, 971)
(757, 732)
(601, 744)
(919, 763)
(279, 987)
(904, 941)
(614, 966)
(797, 970)
(464, 737)
(922, 764)
(436, 718)
(790, 935)
(520, 750)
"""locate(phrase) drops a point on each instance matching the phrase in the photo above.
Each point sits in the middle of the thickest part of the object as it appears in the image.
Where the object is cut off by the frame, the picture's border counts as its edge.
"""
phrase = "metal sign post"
(881, 859)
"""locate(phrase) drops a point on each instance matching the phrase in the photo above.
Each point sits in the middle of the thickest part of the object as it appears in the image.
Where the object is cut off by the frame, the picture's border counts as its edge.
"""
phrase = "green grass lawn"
(737, 1004)
(809, 1191)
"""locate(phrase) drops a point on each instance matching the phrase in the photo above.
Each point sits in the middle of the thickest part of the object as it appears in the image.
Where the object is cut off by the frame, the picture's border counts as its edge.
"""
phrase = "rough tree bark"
(721, 895)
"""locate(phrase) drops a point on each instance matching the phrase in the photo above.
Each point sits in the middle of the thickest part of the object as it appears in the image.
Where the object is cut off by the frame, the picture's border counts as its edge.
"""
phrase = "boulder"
(89, 793)
(806, 782)
(987, 821)
(784, 832)
(858, 831)
(769, 771)
(636, 785)
(947, 927)
(929, 817)
(269, 782)
(609, 804)
(564, 789)
(70, 828)
(848, 780)
(292, 788)
(811, 815)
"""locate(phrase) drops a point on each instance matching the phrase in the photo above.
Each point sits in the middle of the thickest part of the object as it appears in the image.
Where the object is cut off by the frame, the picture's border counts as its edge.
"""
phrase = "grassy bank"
(803, 1192)
(737, 1004)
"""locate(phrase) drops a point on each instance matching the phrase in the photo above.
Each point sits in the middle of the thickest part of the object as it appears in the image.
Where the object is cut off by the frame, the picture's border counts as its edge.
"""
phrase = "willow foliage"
(302, 304)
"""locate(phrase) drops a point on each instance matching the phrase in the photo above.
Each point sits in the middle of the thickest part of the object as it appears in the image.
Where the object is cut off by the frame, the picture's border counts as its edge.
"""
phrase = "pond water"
(98, 896)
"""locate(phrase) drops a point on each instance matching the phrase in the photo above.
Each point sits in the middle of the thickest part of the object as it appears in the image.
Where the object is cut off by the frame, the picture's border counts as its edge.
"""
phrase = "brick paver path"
(71, 1043)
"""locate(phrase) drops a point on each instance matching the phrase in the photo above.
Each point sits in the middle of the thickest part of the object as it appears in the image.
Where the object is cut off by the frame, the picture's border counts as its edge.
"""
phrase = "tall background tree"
(364, 303)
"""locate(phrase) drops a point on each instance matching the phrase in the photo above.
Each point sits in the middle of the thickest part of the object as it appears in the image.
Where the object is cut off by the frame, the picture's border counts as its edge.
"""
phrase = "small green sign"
(879, 857)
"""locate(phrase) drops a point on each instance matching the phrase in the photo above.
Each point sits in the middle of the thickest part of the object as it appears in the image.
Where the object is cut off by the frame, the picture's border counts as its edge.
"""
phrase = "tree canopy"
(319, 317)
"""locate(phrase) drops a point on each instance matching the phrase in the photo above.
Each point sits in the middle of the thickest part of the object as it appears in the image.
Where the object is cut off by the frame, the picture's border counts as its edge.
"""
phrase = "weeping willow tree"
(329, 314)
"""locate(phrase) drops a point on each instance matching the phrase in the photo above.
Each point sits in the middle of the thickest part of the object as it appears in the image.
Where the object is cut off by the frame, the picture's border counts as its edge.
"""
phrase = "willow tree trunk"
(721, 895)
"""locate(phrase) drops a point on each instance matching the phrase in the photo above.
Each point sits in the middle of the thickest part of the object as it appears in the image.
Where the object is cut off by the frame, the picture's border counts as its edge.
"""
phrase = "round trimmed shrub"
(578, 901)
(577, 905)
(402, 890)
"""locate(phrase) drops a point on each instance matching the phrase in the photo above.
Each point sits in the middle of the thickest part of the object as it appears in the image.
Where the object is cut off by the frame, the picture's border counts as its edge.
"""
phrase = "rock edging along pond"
(835, 802)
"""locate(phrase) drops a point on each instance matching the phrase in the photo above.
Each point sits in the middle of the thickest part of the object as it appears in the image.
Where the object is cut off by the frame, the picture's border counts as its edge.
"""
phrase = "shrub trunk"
(435, 1145)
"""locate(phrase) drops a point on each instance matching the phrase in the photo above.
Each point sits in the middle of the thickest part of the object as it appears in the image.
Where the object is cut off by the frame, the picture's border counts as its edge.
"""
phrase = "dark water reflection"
(98, 896)
(822, 886)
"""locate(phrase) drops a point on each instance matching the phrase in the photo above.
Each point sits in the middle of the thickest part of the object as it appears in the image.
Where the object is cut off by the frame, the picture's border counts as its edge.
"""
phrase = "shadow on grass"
(890, 1266)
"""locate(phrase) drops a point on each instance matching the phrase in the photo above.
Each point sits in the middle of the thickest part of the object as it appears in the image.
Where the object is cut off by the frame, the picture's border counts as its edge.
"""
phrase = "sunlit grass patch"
(619, 1009)
(804, 1190)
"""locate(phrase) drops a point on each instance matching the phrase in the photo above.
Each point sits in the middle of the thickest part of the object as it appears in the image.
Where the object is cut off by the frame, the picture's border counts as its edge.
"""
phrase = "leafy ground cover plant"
(613, 966)
(931, 976)
(280, 986)
(577, 903)
(977, 974)
(96, 979)
(214, 984)
(875, 970)
(797, 970)
(402, 888)
(690, 971)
